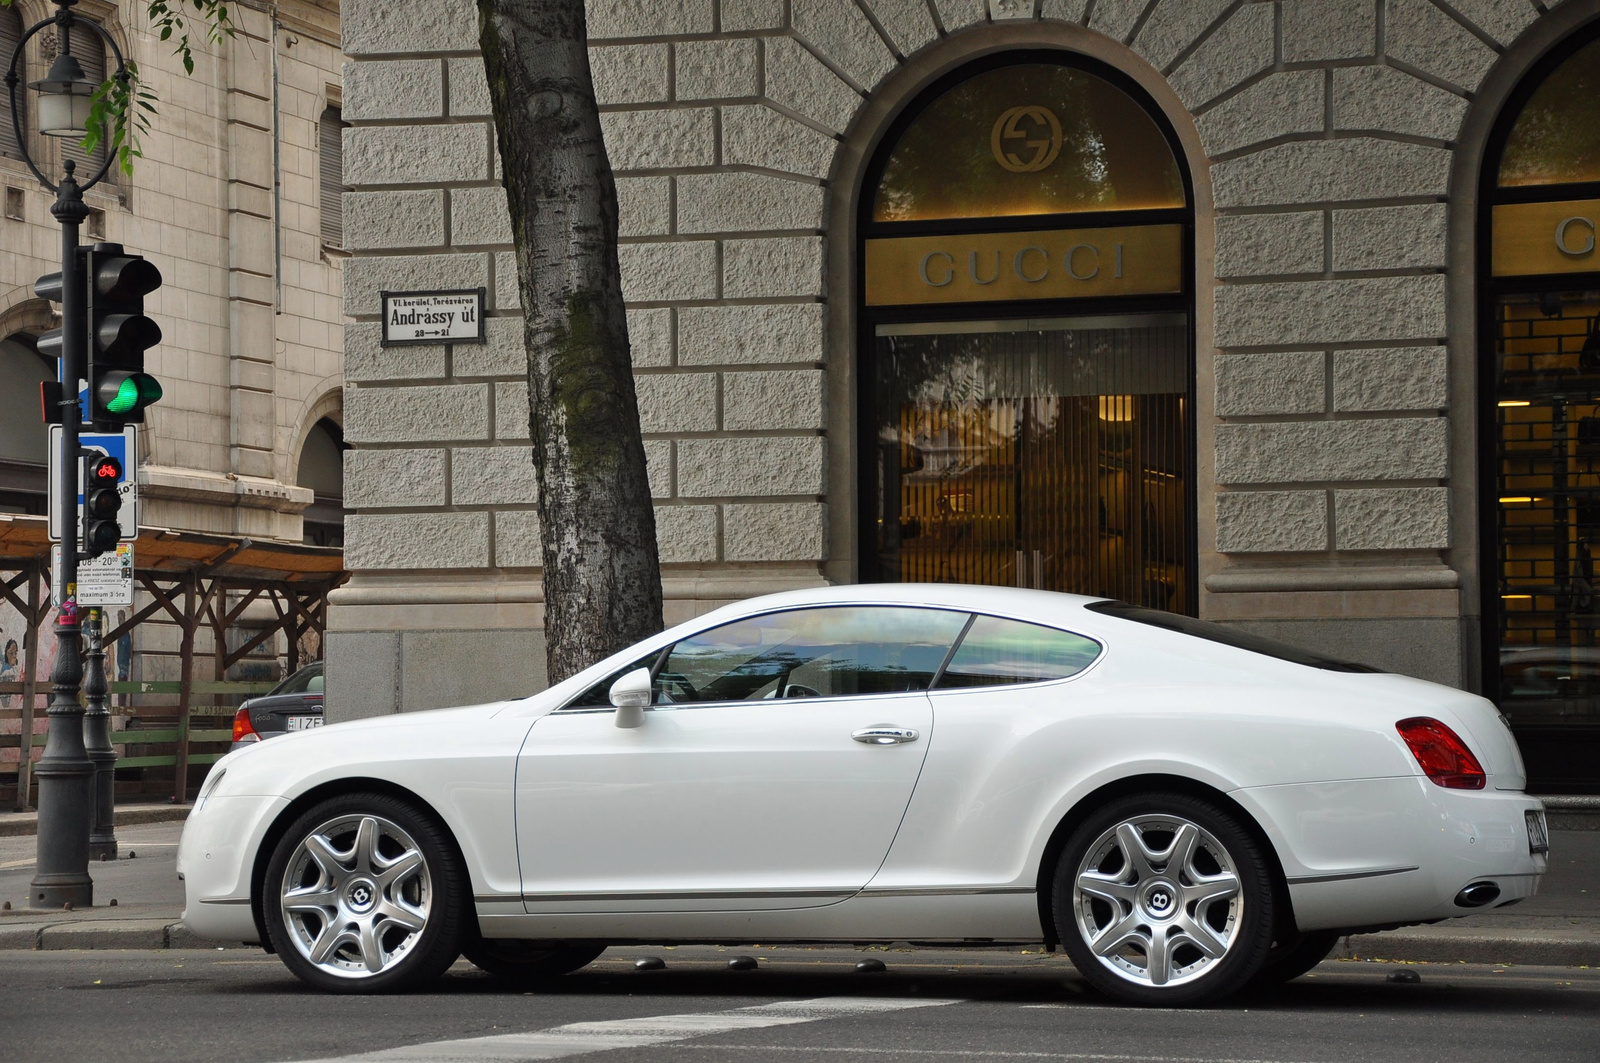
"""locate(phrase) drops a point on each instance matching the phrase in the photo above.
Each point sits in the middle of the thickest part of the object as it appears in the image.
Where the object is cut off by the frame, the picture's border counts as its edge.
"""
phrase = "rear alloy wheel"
(363, 895)
(529, 961)
(1164, 899)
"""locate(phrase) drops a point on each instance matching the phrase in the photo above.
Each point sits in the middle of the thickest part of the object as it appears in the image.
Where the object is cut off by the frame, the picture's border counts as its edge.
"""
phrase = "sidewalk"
(19, 824)
(1559, 927)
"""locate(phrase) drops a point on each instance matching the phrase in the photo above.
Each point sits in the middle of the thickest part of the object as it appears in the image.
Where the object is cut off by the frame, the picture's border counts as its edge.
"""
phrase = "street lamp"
(66, 773)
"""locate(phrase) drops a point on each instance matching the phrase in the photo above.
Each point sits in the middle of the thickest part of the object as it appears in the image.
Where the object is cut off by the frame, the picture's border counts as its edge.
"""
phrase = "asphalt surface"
(799, 1006)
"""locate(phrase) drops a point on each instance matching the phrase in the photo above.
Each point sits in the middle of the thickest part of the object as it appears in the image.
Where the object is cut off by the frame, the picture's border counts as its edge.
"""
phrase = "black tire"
(1162, 920)
(529, 961)
(377, 891)
(1290, 959)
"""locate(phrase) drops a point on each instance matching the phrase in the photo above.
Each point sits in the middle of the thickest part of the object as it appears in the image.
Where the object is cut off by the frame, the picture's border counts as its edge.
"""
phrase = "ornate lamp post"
(65, 773)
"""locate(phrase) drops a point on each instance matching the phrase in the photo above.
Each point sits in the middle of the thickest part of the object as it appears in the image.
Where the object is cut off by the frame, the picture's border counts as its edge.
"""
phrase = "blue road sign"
(124, 446)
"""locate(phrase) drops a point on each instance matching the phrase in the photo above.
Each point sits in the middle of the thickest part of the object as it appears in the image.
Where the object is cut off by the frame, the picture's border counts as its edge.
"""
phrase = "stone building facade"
(1329, 282)
(228, 203)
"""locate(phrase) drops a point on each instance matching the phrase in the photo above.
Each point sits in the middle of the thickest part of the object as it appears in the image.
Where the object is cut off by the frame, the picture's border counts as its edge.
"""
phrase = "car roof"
(974, 597)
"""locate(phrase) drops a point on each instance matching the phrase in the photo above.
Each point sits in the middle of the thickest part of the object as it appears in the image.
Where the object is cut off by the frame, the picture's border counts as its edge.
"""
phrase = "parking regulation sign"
(103, 580)
(124, 446)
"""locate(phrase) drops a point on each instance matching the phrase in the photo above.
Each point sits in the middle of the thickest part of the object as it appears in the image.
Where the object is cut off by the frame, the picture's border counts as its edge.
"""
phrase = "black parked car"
(293, 705)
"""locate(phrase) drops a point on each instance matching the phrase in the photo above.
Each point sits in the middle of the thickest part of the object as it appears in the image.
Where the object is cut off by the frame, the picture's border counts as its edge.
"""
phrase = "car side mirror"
(631, 695)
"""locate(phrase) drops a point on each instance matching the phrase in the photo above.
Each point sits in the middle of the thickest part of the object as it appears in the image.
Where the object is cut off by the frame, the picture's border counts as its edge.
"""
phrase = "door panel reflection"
(1036, 453)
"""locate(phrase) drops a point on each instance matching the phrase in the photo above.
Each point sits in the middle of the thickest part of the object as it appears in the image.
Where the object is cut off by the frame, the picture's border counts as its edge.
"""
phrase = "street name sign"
(433, 317)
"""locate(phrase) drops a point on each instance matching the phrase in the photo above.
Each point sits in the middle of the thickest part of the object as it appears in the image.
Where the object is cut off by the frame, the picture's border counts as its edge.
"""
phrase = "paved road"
(802, 1006)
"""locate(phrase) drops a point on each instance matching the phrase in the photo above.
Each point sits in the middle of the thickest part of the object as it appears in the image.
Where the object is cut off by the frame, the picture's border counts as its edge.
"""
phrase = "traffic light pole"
(65, 773)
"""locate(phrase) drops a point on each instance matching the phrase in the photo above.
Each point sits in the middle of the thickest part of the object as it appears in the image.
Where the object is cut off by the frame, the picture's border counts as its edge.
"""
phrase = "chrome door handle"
(884, 735)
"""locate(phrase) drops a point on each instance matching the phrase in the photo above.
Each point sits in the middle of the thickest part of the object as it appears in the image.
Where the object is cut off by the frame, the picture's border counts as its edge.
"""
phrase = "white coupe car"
(1184, 807)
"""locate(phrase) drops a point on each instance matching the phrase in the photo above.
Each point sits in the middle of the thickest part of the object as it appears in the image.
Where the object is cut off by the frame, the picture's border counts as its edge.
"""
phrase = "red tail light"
(243, 729)
(1444, 757)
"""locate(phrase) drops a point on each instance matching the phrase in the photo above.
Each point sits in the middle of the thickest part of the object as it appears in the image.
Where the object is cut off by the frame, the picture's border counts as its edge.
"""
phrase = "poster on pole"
(103, 580)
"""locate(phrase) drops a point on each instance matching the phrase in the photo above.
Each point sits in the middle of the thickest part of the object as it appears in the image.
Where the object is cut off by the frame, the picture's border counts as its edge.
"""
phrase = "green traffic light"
(134, 392)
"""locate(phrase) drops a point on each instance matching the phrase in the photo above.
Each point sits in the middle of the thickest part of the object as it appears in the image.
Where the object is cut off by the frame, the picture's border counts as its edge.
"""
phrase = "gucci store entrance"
(1540, 378)
(1026, 347)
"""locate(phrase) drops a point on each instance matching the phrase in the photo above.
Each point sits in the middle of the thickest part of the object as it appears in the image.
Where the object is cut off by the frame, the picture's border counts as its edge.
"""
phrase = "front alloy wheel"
(1163, 899)
(362, 896)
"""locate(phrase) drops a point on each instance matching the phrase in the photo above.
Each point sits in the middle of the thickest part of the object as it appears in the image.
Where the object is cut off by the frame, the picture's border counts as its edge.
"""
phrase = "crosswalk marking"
(580, 1038)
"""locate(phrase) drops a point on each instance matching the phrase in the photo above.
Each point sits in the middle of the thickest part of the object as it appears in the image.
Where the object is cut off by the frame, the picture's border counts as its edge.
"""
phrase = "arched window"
(22, 431)
(1540, 415)
(322, 470)
(1026, 348)
(11, 30)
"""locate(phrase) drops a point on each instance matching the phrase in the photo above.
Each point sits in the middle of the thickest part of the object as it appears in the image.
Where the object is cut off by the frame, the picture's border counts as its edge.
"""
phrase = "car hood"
(263, 767)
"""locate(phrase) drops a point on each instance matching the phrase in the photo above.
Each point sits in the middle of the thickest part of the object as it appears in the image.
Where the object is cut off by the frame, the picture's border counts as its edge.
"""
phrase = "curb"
(130, 934)
(1521, 948)
(25, 824)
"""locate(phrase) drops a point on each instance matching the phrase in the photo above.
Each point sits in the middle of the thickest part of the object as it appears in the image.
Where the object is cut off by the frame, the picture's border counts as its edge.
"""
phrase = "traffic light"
(102, 499)
(119, 334)
(50, 287)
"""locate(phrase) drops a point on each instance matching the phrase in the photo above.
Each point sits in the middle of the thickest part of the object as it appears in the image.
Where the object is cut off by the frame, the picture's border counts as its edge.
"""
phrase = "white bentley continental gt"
(1184, 807)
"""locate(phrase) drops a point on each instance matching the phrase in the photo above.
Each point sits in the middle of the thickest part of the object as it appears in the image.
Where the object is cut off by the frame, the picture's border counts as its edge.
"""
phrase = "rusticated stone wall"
(1323, 135)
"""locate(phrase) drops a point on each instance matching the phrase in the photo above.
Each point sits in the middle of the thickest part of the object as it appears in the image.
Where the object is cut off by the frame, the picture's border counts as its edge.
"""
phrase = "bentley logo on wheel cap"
(1160, 900)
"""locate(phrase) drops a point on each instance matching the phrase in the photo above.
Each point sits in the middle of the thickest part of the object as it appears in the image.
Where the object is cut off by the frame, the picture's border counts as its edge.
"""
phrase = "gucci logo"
(1038, 130)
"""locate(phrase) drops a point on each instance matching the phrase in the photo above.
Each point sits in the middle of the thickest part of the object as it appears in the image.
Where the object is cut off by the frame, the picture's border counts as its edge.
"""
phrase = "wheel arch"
(336, 788)
(1044, 886)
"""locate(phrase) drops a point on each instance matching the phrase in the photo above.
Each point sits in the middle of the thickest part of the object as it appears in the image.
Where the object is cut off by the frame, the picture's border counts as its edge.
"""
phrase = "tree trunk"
(602, 579)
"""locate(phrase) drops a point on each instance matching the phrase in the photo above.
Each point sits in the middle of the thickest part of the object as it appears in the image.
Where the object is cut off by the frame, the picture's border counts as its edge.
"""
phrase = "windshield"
(1228, 636)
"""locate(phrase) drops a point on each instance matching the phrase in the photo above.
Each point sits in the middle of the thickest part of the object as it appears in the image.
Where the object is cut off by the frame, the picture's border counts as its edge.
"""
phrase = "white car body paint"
(757, 821)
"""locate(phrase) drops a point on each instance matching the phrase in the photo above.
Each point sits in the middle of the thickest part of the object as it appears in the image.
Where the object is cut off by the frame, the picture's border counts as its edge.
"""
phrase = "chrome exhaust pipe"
(1477, 894)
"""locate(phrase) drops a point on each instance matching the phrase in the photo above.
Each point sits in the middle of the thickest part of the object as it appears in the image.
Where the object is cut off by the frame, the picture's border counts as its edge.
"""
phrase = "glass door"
(1037, 452)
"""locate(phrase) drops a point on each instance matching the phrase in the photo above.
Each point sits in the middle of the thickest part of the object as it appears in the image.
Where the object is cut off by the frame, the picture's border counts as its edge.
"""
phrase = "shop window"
(1556, 137)
(1541, 416)
(1027, 347)
(1031, 138)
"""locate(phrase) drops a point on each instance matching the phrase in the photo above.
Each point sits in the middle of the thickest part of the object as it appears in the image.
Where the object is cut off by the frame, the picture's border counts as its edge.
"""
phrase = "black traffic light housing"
(50, 287)
(102, 500)
(119, 334)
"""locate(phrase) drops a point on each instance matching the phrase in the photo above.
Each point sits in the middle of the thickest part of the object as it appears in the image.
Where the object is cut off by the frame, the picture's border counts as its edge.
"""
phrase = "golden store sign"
(1537, 238)
(1048, 264)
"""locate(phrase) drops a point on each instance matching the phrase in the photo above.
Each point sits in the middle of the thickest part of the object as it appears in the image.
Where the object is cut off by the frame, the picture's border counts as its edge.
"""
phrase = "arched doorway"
(1539, 276)
(1026, 348)
(322, 469)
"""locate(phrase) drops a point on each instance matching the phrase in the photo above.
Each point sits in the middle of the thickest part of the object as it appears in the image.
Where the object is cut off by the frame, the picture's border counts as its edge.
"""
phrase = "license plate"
(1538, 837)
(304, 723)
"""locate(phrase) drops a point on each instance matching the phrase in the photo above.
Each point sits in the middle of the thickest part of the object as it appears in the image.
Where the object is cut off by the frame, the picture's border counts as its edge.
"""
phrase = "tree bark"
(602, 578)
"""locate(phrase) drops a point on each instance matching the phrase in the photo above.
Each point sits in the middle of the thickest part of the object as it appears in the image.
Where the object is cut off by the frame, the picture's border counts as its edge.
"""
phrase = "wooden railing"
(172, 737)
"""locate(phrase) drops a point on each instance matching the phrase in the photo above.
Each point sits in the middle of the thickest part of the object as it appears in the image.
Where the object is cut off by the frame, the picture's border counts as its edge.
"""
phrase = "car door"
(754, 782)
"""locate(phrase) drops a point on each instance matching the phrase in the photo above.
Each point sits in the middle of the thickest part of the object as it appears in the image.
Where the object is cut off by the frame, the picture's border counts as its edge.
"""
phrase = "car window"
(315, 685)
(299, 682)
(837, 651)
(997, 652)
(1227, 636)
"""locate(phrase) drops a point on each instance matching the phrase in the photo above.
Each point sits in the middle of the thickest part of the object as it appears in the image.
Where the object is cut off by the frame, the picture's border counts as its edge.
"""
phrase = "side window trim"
(933, 684)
